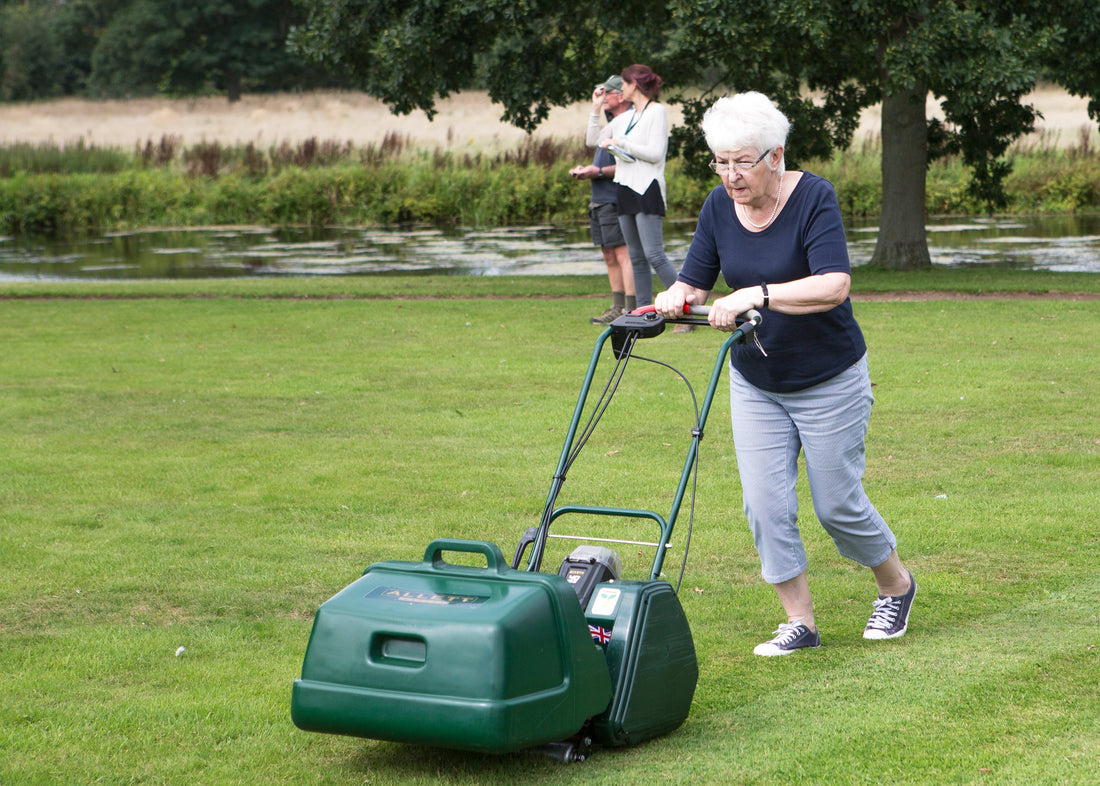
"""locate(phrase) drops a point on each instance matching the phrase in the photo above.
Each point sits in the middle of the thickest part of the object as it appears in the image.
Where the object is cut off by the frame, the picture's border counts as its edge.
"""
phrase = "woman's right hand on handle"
(670, 303)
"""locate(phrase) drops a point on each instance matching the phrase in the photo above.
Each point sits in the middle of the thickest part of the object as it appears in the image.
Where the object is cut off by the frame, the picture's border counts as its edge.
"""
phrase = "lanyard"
(636, 118)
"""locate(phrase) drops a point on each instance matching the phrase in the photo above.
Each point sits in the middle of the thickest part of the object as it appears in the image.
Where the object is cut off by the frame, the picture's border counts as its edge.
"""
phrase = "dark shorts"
(603, 222)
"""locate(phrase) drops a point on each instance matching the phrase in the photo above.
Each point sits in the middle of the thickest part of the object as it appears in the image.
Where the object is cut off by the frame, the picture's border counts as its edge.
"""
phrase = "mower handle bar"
(752, 315)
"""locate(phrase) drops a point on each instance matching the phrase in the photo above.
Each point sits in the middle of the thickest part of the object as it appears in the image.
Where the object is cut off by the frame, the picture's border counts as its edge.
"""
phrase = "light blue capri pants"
(828, 424)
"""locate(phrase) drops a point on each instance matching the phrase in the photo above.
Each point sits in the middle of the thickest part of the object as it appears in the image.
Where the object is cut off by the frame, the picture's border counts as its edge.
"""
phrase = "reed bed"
(51, 188)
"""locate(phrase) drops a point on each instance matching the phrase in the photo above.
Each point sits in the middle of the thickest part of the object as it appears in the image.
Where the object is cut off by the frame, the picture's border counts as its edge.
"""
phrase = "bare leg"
(614, 272)
(626, 270)
(891, 577)
(794, 594)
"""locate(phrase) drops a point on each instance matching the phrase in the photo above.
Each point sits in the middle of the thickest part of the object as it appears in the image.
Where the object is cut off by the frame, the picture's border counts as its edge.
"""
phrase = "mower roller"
(502, 658)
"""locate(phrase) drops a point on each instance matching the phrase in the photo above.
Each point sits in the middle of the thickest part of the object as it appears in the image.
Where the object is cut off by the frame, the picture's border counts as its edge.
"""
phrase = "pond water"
(1062, 243)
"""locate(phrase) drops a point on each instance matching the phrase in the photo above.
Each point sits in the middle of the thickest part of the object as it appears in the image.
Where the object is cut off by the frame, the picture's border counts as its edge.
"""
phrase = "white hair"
(745, 120)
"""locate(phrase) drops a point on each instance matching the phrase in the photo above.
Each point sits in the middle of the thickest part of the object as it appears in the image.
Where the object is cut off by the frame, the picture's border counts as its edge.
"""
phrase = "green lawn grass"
(201, 464)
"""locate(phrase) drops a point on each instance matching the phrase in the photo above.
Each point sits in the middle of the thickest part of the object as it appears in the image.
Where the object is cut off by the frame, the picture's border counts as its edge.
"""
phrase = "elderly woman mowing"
(777, 239)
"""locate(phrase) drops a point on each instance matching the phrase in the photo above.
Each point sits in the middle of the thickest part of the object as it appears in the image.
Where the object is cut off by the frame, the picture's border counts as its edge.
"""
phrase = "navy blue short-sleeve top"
(806, 238)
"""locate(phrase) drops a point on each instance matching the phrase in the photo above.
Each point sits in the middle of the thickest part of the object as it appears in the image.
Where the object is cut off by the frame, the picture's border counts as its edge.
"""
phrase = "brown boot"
(607, 317)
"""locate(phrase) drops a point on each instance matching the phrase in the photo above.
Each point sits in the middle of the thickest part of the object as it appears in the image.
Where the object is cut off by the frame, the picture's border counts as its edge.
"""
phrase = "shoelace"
(885, 613)
(787, 632)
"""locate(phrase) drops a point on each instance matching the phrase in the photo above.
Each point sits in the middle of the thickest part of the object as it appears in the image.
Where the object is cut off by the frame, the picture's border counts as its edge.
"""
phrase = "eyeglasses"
(740, 167)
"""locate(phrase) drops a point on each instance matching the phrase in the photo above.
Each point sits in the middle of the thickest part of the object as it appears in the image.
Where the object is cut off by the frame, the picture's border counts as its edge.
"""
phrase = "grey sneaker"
(607, 317)
(890, 619)
(791, 636)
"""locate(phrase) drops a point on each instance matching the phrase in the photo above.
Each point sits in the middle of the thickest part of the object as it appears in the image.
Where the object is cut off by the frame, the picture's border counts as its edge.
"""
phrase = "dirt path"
(467, 122)
(914, 296)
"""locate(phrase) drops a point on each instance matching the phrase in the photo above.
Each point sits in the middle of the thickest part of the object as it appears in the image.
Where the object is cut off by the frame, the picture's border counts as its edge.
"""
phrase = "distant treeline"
(61, 190)
(129, 48)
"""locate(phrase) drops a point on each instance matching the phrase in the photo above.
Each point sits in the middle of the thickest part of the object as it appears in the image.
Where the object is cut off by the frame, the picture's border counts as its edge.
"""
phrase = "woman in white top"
(639, 139)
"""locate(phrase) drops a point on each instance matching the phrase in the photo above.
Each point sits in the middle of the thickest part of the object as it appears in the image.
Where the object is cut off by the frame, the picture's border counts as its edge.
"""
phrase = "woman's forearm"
(809, 295)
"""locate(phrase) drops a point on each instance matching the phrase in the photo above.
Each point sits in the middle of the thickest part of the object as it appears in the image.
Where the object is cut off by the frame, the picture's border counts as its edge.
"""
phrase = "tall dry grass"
(466, 122)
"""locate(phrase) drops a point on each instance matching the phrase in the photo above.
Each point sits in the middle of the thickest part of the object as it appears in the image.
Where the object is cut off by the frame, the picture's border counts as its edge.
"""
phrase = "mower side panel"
(436, 654)
(651, 658)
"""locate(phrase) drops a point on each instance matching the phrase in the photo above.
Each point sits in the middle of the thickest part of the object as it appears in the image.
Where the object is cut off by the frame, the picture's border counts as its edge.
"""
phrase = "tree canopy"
(99, 48)
(181, 46)
(822, 61)
(45, 49)
(529, 54)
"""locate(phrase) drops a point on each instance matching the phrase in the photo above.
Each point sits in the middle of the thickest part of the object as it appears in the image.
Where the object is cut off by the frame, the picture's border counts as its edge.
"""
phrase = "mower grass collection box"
(487, 659)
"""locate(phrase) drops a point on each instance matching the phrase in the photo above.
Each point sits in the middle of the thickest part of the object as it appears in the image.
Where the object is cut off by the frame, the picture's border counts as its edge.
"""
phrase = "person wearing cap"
(639, 140)
(603, 214)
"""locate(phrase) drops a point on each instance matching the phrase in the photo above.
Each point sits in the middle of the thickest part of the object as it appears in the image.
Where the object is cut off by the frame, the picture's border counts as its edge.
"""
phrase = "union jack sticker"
(599, 635)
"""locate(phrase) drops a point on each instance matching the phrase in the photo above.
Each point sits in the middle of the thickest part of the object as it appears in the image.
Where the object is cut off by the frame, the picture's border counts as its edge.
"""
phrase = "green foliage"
(61, 190)
(979, 58)
(46, 47)
(172, 47)
(1074, 60)
(31, 53)
(994, 63)
(1066, 190)
(979, 61)
(686, 194)
(141, 47)
(78, 25)
(530, 56)
(823, 61)
(46, 157)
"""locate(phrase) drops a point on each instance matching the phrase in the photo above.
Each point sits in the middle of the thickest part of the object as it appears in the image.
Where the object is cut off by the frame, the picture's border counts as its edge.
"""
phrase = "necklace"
(778, 194)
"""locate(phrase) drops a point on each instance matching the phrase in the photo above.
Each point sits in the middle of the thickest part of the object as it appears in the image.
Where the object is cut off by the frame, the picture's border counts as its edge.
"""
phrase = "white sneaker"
(890, 619)
(790, 637)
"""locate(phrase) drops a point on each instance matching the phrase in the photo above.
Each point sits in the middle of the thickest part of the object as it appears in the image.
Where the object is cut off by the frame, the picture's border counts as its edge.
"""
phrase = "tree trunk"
(232, 85)
(902, 242)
